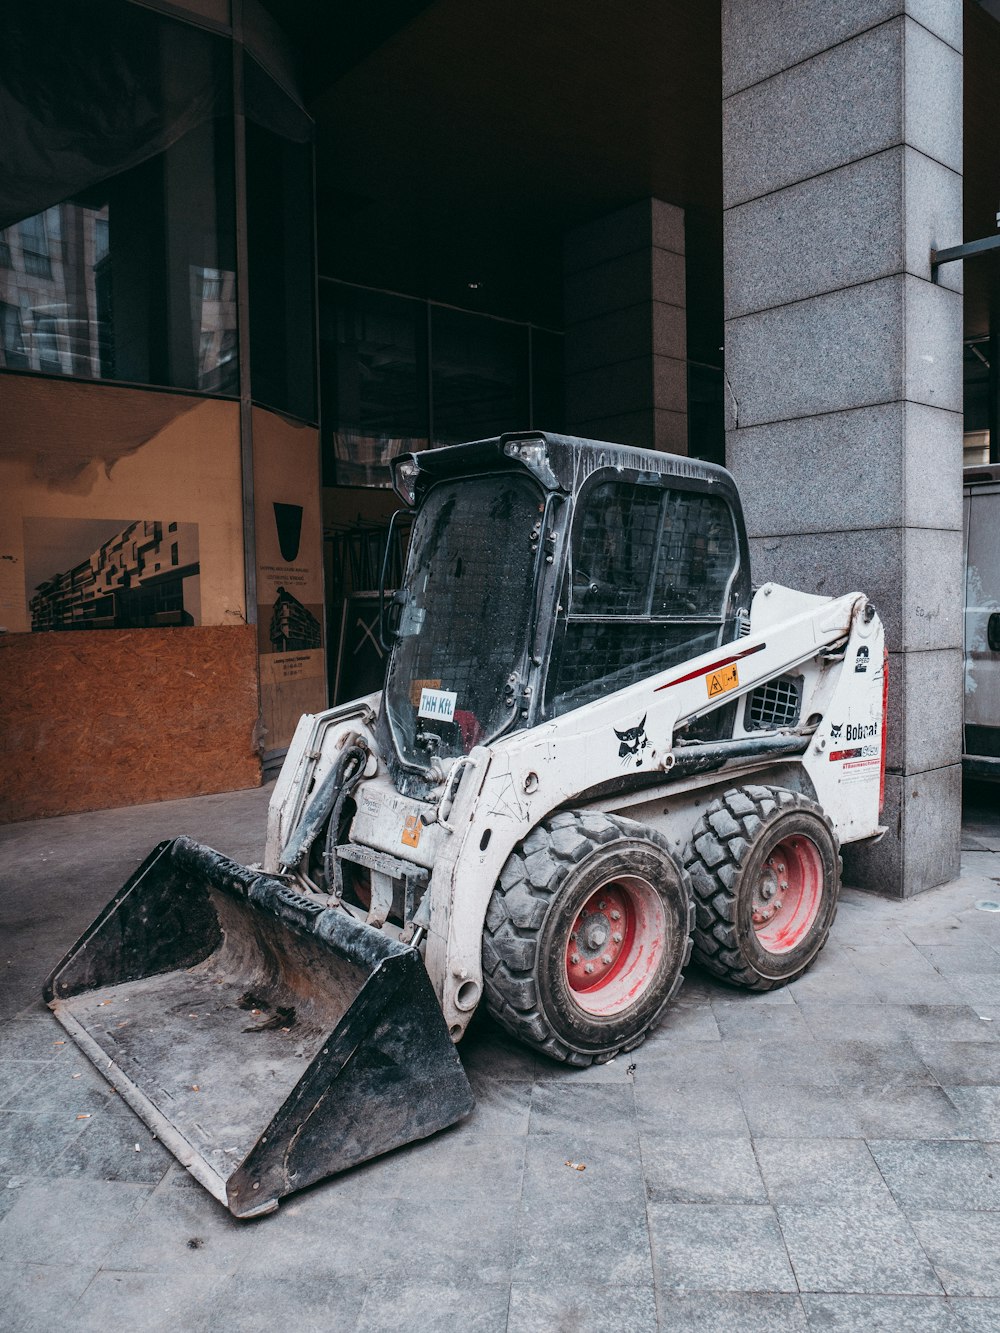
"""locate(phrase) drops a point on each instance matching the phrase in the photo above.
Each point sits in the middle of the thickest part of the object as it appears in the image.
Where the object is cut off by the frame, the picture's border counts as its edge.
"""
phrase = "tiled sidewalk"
(823, 1157)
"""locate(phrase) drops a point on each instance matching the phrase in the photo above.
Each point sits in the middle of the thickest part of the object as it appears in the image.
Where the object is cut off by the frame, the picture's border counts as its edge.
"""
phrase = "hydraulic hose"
(327, 800)
(333, 870)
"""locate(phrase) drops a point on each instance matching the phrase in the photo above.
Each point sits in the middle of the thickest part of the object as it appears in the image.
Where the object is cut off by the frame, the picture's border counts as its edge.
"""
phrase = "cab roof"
(558, 462)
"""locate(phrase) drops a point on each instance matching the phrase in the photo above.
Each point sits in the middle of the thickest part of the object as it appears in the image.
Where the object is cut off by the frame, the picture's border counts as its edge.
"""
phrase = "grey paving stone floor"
(822, 1157)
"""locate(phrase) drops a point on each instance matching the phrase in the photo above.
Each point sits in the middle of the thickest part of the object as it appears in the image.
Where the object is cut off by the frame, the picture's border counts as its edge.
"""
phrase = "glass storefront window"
(479, 376)
(117, 243)
(280, 277)
(386, 389)
(373, 362)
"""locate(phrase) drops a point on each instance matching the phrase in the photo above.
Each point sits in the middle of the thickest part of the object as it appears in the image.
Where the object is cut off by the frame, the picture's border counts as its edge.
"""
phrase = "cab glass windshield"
(463, 617)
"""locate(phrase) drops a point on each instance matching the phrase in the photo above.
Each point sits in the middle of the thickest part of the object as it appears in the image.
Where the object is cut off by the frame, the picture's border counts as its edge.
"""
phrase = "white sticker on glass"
(437, 703)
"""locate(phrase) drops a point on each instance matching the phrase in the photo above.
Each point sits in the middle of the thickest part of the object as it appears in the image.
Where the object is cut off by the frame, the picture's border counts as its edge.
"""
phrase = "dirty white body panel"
(492, 798)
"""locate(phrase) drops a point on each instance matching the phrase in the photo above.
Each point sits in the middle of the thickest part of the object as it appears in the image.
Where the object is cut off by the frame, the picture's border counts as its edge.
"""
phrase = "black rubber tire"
(729, 846)
(543, 887)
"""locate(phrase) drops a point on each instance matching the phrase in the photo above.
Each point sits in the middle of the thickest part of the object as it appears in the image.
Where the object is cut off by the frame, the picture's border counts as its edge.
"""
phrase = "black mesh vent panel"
(776, 704)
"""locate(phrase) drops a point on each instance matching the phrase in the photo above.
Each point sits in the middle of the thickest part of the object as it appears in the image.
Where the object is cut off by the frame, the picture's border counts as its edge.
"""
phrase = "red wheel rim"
(615, 945)
(787, 895)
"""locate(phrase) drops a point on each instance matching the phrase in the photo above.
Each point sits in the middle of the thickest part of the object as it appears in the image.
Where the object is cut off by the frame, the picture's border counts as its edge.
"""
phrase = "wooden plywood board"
(96, 719)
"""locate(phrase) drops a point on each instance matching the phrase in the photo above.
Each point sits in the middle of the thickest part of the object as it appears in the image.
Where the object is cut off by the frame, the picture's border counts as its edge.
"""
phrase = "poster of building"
(109, 485)
(87, 574)
(290, 625)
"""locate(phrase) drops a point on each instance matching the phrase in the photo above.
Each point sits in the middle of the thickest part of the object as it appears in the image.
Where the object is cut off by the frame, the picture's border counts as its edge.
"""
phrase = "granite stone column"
(842, 151)
(626, 340)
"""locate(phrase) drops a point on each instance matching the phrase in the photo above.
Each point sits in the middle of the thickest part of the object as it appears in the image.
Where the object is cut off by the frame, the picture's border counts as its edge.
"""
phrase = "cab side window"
(649, 578)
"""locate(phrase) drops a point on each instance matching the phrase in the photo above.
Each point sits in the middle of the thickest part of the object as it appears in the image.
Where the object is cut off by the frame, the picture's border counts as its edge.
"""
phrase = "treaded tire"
(564, 882)
(746, 851)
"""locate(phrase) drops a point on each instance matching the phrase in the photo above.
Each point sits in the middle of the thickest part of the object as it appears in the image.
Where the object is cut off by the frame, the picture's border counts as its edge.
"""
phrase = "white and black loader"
(597, 750)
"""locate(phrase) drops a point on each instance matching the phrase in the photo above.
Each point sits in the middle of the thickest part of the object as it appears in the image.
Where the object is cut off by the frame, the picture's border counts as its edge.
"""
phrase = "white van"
(981, 743)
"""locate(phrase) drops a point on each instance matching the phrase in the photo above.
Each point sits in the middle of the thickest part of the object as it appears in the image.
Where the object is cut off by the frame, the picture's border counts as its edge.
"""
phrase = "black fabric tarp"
(90, 88)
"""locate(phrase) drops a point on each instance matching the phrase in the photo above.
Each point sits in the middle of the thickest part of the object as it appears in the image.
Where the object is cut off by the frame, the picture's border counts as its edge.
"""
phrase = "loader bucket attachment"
(267, 1041)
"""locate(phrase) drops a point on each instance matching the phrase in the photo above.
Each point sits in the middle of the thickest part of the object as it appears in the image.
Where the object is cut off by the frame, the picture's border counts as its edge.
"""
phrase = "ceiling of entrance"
(460, 149)
(457, 141)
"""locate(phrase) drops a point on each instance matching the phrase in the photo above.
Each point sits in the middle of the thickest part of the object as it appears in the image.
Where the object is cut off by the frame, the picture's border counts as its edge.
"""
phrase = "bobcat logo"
(835, 729)
(633, 741)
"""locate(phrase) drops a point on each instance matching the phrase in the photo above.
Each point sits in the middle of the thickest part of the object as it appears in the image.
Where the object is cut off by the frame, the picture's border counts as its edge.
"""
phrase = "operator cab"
(544, 572)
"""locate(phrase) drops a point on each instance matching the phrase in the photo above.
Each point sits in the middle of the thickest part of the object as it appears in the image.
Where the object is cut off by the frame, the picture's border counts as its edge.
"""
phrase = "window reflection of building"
(135, 580)
(57, 282)
(35, 246)
(49, 292)
(213, 320)
(12, 337)
(118, 248)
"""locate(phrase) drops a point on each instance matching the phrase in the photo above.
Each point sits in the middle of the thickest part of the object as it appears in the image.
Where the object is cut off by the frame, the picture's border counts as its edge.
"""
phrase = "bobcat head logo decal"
(633, 741)
(835, 729)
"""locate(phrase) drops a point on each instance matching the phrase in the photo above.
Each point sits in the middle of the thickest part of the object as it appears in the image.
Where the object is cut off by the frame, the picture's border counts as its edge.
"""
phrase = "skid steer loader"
(596, 749)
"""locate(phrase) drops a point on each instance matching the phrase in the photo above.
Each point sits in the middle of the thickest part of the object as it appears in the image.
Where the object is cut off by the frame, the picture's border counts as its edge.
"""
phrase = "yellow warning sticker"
(411, 831)
(721, 682)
